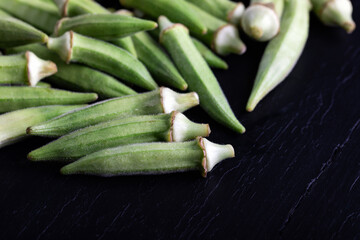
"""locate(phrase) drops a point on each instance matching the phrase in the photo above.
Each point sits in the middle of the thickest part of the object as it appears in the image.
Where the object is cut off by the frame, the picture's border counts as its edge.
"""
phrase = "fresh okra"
(73, 47)
(15, 32)
(283, 51)
(176, 11)
(71, 8)
(14, 98)
(173, 127)
(152, 158)
(335, 13)
(211, 59)
(176, 39)
(223, 9)
(261, 20)
(104, 26)
(157, 61)
(25, 69)
(13, 124)
(162, 100)
(77, 77)
(40, 14)
(222, 37)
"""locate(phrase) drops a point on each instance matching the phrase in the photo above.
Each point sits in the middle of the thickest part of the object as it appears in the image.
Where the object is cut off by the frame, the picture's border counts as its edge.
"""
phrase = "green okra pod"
(211, 59)
(176, 11)
(40, 14)
(15, 32)
(162, 100)
(77, 77)
(14, 98)
(71, 8)
(157, 61)
(13, 124)
(25, 69)
(73, 47)
(173, 127)
(152, 158)
(335, 13)
(176, 39)
(261, 21)
(222, 37)
(125, 43)
(283, 51)
(104, 26)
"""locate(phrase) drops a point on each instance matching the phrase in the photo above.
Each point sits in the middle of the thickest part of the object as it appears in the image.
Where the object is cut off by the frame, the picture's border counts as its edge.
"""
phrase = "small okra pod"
(77, 77)
(176, 39)
(14, 98)
(222, 37)
(152, 158)
(25, 69)
(40, 14)
(71, 8)
(73, 47)
(261, 21)
(211, 59)
(13, 124)
(335, 13)
(176, 11)
(104, 26)
(157, 61)
(283, 51)
(15, 32)
(173, 127)
(162, 100)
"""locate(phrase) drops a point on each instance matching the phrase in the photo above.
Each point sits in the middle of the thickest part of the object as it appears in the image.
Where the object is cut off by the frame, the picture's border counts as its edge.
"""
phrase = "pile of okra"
(165, 49)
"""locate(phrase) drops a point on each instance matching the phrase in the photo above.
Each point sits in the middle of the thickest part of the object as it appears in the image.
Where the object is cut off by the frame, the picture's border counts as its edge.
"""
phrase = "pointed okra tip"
(38, 69)
(214, 154)
(173, 101)
(62, 45)
(183, 129)
(226, 40)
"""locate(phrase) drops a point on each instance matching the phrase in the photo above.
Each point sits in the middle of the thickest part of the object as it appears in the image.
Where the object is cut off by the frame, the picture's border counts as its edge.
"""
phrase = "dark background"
(296, 174)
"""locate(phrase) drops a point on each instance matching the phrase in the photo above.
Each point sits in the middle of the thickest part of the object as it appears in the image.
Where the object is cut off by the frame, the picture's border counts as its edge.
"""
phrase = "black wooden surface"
(296, 174)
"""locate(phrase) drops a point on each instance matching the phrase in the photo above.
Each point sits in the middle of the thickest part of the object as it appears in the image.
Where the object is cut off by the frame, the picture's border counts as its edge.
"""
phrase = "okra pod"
(157, 61)
(222, 37)
(162, 100)
(14, 98)
(125, 43)
(40, 14)
(176, 39)
(283, 51)
(211, 59)
(73, 47)
(176, 11)
(104, 26)
(13, 124)
(152, 158)
(173, 127)
(335, 13)
(24, 68)
(77, 77)
(261, 21)
(15, 32)
(71, 8)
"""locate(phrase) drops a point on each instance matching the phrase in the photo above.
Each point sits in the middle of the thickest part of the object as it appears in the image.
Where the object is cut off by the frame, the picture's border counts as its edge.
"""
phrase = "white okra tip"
(38, 69)
(171, 100)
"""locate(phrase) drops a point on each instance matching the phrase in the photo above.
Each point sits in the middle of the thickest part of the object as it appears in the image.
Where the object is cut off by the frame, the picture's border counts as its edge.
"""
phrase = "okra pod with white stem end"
(283, 51)
(261, 21)
(222, 37)
(15, 32)
(162, 100)
(14, 98)
(211, 59)
(13, 124)
(24, 68)
(73, 47)
(173, 127)
(335, 13)
(200, 78)
(40, 14)
(71, 8)
(152, 158)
